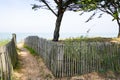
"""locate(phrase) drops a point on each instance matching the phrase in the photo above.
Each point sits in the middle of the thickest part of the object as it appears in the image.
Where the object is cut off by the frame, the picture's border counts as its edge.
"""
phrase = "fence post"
(1, 69)
(60, 53)
(14, 37)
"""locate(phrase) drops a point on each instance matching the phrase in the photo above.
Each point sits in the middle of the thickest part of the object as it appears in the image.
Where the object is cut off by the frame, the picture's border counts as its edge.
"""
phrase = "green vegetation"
(58, 9)
(18, 49)
(96, 39)
(33, 52)
(3, 42)
(92, 54)
(111, 7)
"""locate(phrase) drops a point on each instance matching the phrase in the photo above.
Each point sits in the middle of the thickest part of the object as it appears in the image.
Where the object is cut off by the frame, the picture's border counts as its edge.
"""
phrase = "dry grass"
(33, 68)
(100, 39)
(30, 67)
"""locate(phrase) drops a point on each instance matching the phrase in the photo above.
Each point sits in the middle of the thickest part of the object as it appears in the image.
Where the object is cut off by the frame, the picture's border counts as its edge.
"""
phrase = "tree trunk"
(118, 28)
(57, 26)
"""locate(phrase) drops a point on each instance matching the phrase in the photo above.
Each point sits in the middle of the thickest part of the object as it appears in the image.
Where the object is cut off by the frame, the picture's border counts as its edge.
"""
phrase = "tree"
(111, 7)
(57, 7)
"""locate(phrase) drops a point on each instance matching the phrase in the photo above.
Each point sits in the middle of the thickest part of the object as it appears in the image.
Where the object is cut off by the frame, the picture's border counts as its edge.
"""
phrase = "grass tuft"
(33, 52)
(3, 42)
(94, 39)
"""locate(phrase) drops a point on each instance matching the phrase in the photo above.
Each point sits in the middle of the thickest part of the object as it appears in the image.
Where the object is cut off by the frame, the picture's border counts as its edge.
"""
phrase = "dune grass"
(33, 52)
(3, 42)
(94, 39)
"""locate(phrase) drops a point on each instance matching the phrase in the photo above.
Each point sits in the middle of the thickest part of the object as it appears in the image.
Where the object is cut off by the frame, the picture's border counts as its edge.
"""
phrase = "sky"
(18, 16)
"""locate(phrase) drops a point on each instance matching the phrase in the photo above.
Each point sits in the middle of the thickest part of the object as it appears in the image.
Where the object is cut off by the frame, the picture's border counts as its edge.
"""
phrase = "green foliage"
(96, 39)
(3, 42)
(115, 16)
(74, 39)
(57, 7)
(87, 5)
(33, 52)
(91, 54)
(111, 7)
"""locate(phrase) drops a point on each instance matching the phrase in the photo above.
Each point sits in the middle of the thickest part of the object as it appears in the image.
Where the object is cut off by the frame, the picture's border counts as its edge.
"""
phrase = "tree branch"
(90, 18)
(67, 3)
(49, 7)
(56, 2)
(105, 11)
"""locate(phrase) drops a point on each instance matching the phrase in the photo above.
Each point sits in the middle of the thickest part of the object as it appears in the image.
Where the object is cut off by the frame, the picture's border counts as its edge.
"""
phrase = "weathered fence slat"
(8, 59)
(75, 58)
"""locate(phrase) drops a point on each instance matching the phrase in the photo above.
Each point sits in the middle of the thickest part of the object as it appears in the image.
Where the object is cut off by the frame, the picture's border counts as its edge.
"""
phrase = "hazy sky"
(18, 16)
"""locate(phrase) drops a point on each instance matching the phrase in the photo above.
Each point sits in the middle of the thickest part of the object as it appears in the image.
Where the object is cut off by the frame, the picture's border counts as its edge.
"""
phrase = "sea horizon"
(22, 36)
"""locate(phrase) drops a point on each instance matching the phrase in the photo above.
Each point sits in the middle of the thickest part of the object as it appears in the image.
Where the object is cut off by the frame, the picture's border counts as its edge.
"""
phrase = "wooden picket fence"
(76, 58)
(8, 59)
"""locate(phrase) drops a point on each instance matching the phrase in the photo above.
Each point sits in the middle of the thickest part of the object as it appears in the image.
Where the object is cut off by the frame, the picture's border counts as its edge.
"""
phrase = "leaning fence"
(75, 58)
(8, 59)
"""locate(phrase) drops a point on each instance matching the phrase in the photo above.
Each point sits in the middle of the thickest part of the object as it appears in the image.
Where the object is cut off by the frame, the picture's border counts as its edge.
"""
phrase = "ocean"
(22, 36)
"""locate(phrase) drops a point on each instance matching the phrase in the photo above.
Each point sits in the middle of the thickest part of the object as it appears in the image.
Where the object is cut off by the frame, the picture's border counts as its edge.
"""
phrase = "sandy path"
(30, 67)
